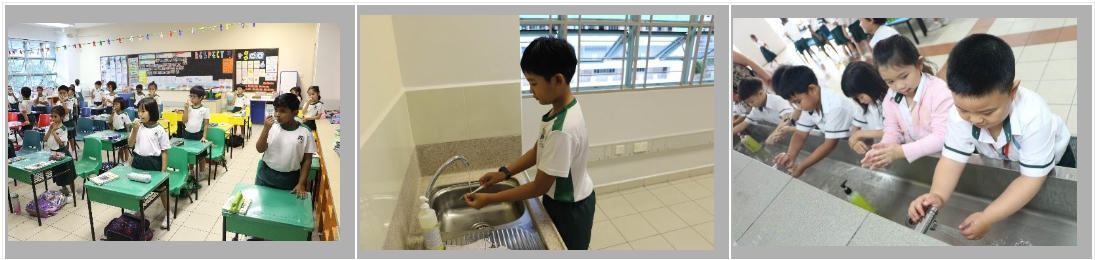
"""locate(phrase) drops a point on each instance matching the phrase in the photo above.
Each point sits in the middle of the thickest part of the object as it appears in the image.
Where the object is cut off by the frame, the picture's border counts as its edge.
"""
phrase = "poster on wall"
(214, 69)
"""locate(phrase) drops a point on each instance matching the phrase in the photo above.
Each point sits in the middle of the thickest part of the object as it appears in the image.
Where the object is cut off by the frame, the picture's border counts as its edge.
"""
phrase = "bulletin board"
(257, 69)
(181, 70)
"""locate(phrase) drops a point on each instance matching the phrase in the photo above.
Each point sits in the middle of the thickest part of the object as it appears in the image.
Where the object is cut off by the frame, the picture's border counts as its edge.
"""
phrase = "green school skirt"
(311, 124)
(802, 45)
(574, 220)
(857, 31)
(838, 36)
(279, 180)
(64, 174)
(147, 163)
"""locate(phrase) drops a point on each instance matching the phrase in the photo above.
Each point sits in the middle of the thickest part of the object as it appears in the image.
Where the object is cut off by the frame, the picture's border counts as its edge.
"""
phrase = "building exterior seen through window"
(630, 51)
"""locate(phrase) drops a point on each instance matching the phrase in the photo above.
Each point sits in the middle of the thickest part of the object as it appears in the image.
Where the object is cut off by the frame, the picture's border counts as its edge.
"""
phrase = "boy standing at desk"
(560, 152)
(238, 102)
(56, 140)
(998, 119)
(824, 108)
(286, 149)
(97, 94)
(69, 103)
(195, 120)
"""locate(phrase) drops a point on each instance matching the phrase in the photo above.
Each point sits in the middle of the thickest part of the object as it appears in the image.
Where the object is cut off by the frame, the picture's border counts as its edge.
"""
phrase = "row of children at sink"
(898, 99)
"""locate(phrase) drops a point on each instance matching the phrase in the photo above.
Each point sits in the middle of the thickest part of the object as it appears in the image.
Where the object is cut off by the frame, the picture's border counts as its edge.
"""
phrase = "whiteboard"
(286, 81)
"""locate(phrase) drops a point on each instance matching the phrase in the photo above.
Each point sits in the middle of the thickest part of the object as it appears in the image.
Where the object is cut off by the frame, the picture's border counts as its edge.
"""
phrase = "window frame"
(26, 74)
(633, 73)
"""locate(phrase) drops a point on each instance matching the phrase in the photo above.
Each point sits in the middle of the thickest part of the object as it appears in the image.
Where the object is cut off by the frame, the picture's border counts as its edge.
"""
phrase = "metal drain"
(480, 225)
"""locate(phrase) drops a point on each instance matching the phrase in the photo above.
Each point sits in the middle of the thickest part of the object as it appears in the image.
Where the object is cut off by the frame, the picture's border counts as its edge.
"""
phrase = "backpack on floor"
(50, 201)
(126, 227)
(234, 141)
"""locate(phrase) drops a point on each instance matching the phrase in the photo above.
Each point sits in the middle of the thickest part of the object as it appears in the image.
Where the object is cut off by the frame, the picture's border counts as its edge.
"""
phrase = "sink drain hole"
(480, 225)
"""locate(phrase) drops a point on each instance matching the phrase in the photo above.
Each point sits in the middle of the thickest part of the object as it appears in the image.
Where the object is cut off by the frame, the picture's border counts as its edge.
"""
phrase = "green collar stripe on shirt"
(564, 188)
(956, 150)
(549, 118)
(294, 128)
(151, 127)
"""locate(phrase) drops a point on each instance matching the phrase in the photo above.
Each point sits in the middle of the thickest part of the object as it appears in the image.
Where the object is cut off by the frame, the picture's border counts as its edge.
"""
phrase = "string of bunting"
(138, 38)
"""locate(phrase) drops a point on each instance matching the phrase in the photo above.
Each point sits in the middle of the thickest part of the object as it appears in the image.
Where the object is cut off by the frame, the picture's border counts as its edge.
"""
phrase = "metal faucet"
(429, 190)
(927, 222)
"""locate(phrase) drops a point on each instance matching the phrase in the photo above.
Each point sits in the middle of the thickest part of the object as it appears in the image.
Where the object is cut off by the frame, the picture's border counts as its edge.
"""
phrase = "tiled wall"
(465, 113)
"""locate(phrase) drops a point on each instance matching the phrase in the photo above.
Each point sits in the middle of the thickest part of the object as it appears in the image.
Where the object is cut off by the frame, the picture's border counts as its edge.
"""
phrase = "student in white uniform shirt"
(40, 98)
(195, 119)
(13, 100)
(823, 108)
(877, 27)
(560, 154)
(56, 140)
(313, 109)
(69, 103)
(238, 102)
(767, 108)
(118, 121)
(108, 97)
(139, 94)
(793, 30)
(150, 144)
(996, 118)
(152, 87)
(287, 147)
(26, 109)
(862, 83)
(97, 94)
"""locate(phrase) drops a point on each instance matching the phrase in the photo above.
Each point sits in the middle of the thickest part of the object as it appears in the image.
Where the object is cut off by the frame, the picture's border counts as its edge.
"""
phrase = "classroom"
(155, 131)
(904, 131)
(438, 115)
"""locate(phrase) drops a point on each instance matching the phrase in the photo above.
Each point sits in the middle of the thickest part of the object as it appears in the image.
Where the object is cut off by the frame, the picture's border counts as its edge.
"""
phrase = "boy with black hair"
(56, 140)
(998, 119)
(823, 108)
(26, 108)
(40, 98)
(77, 90)
(560, 151)
(70, 104)
(13, 100)
(139, 94)
(97, 94)
(286, 149)
(767, 108)
(195, 119)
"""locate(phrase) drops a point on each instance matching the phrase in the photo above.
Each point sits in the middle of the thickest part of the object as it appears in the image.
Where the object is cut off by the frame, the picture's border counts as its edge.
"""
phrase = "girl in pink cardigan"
(916, 108)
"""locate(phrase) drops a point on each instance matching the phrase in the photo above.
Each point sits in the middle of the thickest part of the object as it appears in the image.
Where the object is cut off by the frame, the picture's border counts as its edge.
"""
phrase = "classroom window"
(31, 64)
(617, 52)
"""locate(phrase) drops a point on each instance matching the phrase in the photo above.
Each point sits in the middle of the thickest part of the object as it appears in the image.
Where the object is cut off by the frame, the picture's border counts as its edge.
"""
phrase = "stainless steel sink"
(1048, 219)
(507, 224)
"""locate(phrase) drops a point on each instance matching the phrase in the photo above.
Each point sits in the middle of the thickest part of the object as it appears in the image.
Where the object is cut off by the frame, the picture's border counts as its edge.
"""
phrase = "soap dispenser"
(855, 198)
(431, 230)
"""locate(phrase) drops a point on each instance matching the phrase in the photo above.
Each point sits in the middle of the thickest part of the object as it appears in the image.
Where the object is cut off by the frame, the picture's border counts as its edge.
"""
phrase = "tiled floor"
(675, 215)
(197, 221)
(1044, 49)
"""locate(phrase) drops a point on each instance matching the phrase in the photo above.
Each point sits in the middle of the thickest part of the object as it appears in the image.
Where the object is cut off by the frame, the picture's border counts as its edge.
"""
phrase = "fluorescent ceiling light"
(58, 25)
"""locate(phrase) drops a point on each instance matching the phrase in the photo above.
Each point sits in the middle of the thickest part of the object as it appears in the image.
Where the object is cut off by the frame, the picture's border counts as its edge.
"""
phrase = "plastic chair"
(91, 163)
(173, 119)
(99, 125)
(13, 116)
(32, 143)
(216, 136)
(131, 113)
(43, 121)
(178, 175)
(84, 127)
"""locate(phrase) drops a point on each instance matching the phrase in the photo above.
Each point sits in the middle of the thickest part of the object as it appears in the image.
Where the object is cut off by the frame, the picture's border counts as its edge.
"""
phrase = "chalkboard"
(180, 70)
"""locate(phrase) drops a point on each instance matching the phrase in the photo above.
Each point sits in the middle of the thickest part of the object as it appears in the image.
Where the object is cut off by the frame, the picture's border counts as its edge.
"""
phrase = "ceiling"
(76, 25)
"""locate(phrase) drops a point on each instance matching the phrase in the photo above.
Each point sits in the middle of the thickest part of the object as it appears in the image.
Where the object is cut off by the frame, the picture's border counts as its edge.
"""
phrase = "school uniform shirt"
(772, 112)
(51, 142)
(882, 33)
(286, 147)
(314, 109)
(1031, 135)
(97, 95)
(793, 31)
(872, 120)
(561, 152)
(137, 97)
(151, 140)
(157, 98)
(12, 100)
(241, 101)
(834, 117)
(70, 103)
(196, 121)
(26, 106)
(120, 120)
(919, 129)
(109, 98)
(39, 98)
